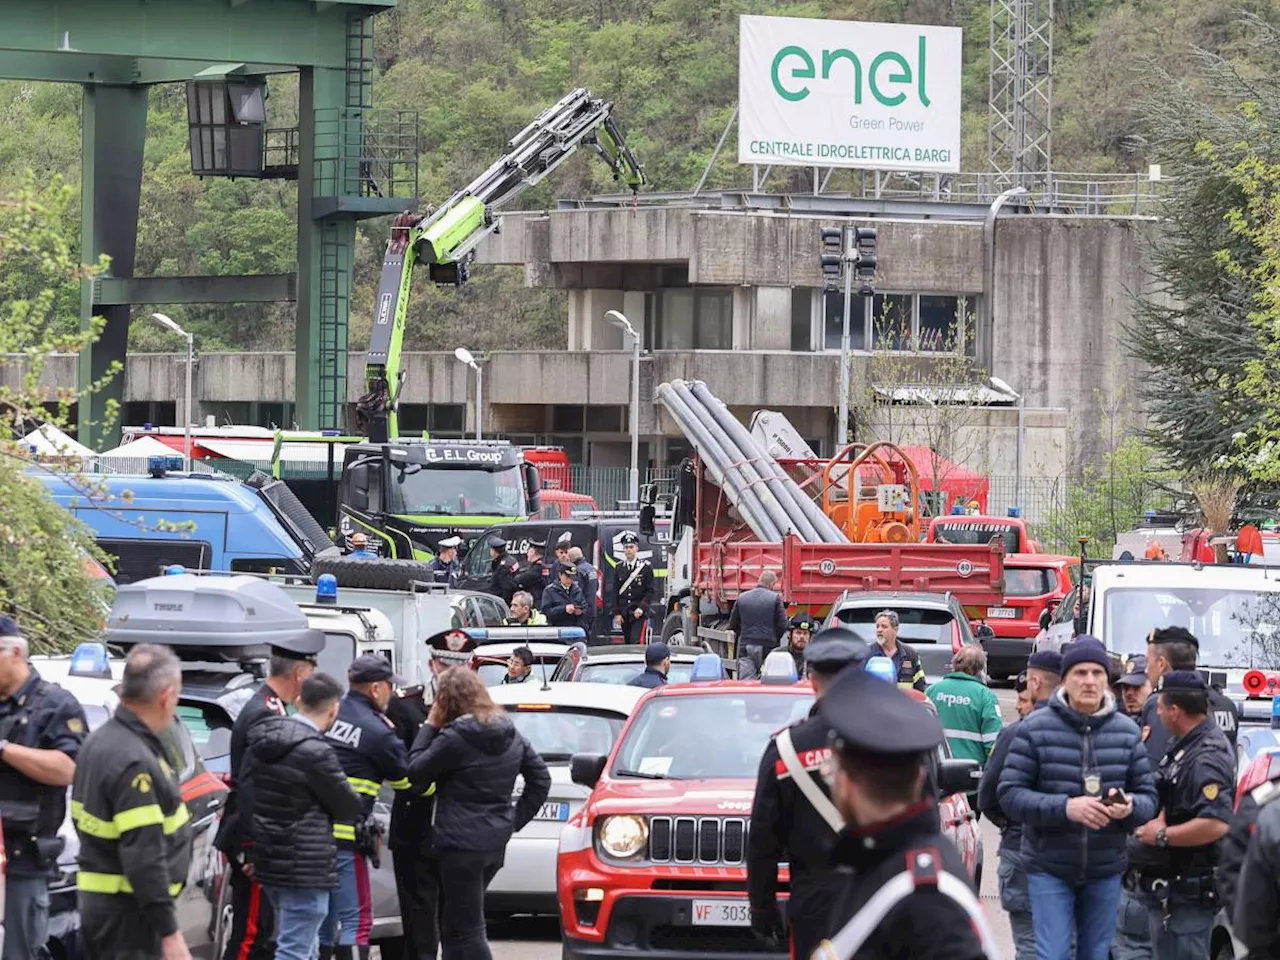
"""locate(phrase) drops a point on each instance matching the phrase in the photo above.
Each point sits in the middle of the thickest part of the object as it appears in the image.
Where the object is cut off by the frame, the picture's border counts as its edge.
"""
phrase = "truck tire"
(673, 628)
(374, 574)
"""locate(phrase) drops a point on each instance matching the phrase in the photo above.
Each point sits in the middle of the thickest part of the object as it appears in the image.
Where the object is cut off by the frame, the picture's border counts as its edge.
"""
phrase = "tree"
(45, 552)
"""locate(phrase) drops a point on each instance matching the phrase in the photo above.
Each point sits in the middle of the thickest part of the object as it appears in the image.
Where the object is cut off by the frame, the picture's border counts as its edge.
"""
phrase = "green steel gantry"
(350, 161)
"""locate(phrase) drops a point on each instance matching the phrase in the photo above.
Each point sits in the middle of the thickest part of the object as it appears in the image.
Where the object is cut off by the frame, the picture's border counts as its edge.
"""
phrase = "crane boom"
(446, 238)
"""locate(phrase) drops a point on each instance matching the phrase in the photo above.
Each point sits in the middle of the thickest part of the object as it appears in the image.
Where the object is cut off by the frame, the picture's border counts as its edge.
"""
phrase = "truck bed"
(816, 574)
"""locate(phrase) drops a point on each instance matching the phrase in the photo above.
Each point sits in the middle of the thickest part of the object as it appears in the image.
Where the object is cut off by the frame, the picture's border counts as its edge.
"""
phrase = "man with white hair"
(41, 730)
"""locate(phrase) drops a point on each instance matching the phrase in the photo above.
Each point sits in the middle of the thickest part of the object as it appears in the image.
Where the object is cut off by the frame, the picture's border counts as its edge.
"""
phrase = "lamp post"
(618, 320)
(464, 356)
(169, 324)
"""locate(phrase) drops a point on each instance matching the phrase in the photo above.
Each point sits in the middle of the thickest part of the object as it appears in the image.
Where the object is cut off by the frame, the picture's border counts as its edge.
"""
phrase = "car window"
(479, 558)
(492, 611)
(181, 751)
(209, 726)
(560, 732)
(917, 625)
(339, 650)
(1066, 610)
(624, 673)
(96, 715)
(1028, 581)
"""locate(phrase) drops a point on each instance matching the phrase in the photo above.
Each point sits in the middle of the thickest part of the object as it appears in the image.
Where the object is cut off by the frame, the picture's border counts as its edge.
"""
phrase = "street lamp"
(620, 321)
(1017, 480)
(464, 356)
(168, 324)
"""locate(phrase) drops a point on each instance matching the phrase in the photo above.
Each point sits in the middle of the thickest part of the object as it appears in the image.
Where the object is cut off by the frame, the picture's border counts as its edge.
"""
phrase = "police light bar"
(707, 667)
(882, 667)
(779, 667)
(91, 660)
(157, 466)
(564, 635)
(1261, 683)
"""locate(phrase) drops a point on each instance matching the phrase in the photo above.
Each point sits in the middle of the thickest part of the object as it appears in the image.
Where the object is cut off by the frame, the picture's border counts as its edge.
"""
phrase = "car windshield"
(1026, 582)
(626, 672)
(557, 733)
(1236, 628)
(915, 625)
(463, 491)
(977, 534)
(687, 737)
(492, 673)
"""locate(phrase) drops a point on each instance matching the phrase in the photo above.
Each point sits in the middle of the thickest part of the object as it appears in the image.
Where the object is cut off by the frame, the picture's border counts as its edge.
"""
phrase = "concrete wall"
(985, 439)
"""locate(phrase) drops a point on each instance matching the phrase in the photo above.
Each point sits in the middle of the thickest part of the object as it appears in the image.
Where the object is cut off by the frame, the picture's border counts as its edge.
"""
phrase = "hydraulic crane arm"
(446, 239)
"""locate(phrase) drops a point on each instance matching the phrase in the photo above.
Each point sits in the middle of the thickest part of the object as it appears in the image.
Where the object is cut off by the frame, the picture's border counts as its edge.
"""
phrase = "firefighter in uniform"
(371, 754)
(135, 838)
(1257, 897)
(1174, 892)
(632, 591)
(502, 570)
(534, 578)
(252, 919)
(792, 818)
(892, 844)
(444, 568)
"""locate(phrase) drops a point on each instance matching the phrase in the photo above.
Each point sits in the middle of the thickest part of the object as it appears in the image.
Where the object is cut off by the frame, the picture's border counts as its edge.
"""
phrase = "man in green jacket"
(968, 709)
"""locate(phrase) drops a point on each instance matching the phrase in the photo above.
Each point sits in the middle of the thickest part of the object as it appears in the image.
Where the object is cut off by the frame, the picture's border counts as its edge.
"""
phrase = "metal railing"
(366, 153)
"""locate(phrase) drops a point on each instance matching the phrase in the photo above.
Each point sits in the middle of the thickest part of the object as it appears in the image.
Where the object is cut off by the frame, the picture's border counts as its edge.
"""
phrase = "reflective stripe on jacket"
(970, 715)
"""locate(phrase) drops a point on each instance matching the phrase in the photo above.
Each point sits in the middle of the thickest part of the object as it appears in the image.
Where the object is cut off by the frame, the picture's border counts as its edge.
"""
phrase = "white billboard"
(839, 93)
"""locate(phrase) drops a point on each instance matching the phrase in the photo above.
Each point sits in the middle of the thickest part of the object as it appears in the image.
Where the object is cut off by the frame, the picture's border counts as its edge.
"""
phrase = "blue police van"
(251, 526)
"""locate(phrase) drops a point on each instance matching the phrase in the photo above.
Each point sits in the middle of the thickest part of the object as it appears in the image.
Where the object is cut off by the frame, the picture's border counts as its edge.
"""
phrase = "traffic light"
(864, 239)
(832, 243)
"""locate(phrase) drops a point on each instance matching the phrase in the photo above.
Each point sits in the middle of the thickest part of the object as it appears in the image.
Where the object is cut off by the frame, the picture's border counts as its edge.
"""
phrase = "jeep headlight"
(623, 836)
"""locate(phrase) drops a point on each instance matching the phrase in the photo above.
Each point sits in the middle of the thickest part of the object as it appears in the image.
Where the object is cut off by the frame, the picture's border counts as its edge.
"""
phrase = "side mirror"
(585, 769)
(533, 483)
(958, 776)
(358, 487)
(648, 518)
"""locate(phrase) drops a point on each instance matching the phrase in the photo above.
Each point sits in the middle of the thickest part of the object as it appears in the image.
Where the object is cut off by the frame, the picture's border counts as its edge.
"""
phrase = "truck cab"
(976, 529)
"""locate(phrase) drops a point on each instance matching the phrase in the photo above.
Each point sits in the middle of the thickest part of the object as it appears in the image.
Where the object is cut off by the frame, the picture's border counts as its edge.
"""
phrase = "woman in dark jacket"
(472, 752)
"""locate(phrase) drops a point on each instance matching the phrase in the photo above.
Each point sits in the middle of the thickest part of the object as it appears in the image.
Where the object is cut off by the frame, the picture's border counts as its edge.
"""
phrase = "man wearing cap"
(523, 612)
(360, 548)
(42, 728)
(1078, 780)
(968, 709)
(562, 602)
(445, 565)
(1134, 687)
(535, 577)
(370, 753)
(792, 818)
(892, 842)
(632, 590)
(502, 570)
(798, 641)
(1038, 683)
(657, 665)
(1172, 892)
(252, 919)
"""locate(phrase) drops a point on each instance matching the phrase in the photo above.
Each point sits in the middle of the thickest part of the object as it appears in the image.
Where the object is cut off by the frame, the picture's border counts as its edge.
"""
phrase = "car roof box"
(211, 618)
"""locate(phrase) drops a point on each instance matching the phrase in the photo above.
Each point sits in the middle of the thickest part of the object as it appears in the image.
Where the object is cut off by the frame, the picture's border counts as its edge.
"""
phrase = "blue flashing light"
(174, 570)
(779, 667)
(158, 466)
(91, 660)
(957, 510)
(882, 667)
(706, 667)
(1015, 512)
(326, 588)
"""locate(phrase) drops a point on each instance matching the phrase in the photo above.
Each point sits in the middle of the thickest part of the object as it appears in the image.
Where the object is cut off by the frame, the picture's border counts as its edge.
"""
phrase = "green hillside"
(478, 70)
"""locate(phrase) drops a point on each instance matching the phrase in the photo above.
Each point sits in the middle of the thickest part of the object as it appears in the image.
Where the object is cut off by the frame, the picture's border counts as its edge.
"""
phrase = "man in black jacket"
(758, 620)
(416, 870)
(293, 792)
(502, 570)
(563, 603)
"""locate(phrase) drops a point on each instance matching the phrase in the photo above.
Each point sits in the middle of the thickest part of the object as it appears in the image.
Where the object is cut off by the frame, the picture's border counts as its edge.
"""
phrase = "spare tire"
(373, 574)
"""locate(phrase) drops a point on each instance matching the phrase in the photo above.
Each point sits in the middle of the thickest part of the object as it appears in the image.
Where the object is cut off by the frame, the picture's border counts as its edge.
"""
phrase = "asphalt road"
(539, 938)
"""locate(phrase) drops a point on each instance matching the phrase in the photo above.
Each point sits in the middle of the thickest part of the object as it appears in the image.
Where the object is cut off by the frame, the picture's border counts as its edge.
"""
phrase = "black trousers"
(118, 935)
(253, 922)
(633, 629)
(462, 927)
(418, 889)
(809, 910)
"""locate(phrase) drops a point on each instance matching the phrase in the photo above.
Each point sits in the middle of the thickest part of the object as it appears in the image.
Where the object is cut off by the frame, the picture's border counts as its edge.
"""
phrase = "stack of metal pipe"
(769, 501)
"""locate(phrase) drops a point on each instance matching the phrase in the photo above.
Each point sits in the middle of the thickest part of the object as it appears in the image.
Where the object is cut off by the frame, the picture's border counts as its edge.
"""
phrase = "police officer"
(41, 730)
(417, 873)
(135, 837)
(880, 740)
(370, 753)
(292, 661)
(798, 641)
(1134, 687)
(562, 602)
(445, 565)
(1257, 900)
(589, 581)
(1173, 890)
(502, 570)
(563, 543)
(792, 819)
(535, 577)
(632, 591)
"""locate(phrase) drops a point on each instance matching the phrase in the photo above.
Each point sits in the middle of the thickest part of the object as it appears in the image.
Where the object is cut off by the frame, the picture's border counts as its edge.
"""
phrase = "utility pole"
(845, 252)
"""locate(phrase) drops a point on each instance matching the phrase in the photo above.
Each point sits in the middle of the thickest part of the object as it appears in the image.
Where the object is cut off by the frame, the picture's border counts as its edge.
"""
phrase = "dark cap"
(497, 543)
(570, 568)
(1182, 680)
(1085, 649)
(835, 647)
(1173, 635)
(9, 626)
(867, 715)
(537, 544)
(802, 621)
(1020, 682)
(1050, 660)
(1135, 671)
(656, 652)
(629, 538)
(371, 668)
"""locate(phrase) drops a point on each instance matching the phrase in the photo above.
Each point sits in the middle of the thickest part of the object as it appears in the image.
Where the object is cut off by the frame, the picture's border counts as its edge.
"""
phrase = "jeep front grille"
(700, 840)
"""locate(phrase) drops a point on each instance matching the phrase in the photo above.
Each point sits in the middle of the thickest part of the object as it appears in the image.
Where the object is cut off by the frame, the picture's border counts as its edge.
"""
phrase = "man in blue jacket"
(1078, 780)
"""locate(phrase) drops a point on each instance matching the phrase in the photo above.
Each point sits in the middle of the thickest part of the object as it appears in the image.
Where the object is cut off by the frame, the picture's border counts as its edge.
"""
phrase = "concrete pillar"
(599, 333)
(771, 319)
(633, 309)
(577, 319)
(742, 339)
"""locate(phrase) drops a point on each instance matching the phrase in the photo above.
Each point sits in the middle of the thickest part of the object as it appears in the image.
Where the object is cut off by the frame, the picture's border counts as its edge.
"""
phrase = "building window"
(443, 420)
(695, 318)
(568, 419)
(802, 318)
(899, 321)
(161, 413)
(939, 322)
